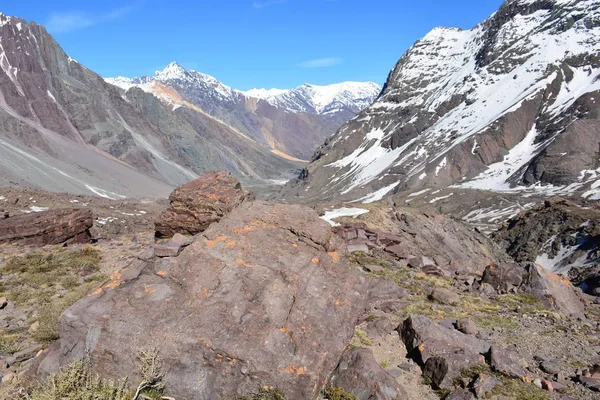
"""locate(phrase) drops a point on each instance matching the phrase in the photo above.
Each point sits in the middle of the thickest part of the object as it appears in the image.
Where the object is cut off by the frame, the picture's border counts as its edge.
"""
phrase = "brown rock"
(443, 353)
(467, 326)
(507, 361)
(58, 226)
(460, 394)
(554, 290)
(503, 277)
(199, 203)
(483, 384)
(262, 297)
(360, 374)
(444, 296)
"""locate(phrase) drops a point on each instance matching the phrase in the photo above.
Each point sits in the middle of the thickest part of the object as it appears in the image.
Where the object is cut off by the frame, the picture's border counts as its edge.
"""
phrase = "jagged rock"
(172, 248)
(263, 297)
(483, 384)
(503, 277)
(506, 361)
(360, 374)
(444, 296)
(48, 227)
(443, 353)
(554, 290)
(556, 227)
(199, 203)
(4, 214)
(551, 366)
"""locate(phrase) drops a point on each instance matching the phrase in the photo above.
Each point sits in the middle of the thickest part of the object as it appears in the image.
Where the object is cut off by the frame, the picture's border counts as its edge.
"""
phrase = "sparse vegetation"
(360, 339)
(337, 393)
(265, 393)
(50, 282)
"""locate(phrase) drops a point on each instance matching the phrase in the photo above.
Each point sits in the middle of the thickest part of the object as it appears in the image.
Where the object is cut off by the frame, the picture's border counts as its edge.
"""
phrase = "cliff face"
(510, 103)
(63, 128)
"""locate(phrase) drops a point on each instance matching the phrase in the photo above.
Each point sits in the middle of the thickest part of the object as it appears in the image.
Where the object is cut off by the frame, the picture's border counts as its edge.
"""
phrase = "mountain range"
(510, 106)
(64, 128)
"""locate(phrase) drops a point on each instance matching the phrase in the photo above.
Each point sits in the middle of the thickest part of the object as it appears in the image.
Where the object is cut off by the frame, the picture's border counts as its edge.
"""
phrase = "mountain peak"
(172, 71)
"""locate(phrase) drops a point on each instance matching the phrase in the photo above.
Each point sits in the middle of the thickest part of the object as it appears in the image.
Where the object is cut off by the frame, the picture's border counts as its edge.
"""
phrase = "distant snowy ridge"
(311, 99)
(316, 99)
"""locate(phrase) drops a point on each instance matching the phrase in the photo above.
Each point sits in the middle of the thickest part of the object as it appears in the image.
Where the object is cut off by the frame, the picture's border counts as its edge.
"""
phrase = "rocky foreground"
(267, 300)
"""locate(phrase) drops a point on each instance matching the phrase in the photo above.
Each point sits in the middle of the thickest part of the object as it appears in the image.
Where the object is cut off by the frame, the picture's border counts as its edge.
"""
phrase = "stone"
(59, 226)
(537, 382)
(360, 374)
(555, 291)
(547, 385)
(147, 254)
(484, 384)
(506, 361)
(551, 366)
(445, 296)
(264, 296)
(398, 250)
(34, 327)
(352, 248)
(4, 214)
(3, 303)
(27, 353)
(467, 326)
(443, 353)
(503, 277)
(373, 268)
(199, 203)
(167, 250)
(460, 394)
(590, 383)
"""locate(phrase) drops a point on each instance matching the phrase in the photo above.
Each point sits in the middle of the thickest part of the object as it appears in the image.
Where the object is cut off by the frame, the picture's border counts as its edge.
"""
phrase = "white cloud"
(266, 3)
(62, 22)
(322, 62)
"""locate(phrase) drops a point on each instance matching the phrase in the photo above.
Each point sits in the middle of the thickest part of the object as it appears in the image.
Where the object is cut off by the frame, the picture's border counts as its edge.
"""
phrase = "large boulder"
(263, 297)
(442, 353)
(58, 226)
(360, 374)
(199, 203)
(555, 290)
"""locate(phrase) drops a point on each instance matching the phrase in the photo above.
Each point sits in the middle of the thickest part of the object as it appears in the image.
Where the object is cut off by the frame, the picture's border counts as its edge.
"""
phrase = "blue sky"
(248, 43)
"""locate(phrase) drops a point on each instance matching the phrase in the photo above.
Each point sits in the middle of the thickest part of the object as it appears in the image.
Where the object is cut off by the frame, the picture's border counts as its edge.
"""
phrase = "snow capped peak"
(171, 71)
(317, 99)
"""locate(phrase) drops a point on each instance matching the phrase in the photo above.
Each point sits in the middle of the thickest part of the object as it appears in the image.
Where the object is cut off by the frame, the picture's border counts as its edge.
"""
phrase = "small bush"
(76, 382)
(337, 393)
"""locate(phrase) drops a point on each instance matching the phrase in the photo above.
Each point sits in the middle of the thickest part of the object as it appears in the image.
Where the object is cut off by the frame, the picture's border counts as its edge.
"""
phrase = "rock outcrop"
(48, 227)
(199, 203)
(426, 240)
(263, 297)
(558, 235)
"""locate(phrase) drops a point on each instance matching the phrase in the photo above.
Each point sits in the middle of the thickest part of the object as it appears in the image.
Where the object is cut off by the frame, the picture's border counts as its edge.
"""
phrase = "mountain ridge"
(493, 108)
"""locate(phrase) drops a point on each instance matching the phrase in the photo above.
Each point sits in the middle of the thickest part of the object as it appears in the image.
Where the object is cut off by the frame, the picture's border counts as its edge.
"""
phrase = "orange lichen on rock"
(97, 291)
(160, 273)
(231, 243)
(244, 263)
(315, 260)
(294, 369)
(211, 243)
(334, 255)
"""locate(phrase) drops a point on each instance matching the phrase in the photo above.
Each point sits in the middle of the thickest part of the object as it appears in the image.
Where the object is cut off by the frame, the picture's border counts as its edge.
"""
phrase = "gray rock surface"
(262, 297)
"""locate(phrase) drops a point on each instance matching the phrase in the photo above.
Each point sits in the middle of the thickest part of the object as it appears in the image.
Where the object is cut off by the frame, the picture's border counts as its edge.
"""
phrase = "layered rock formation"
(68, 226)
(199, 203)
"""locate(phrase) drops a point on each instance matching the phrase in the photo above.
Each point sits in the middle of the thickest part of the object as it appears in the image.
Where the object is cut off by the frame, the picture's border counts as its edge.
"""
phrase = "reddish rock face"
(199, 203)
(263, 297)
(48, 227)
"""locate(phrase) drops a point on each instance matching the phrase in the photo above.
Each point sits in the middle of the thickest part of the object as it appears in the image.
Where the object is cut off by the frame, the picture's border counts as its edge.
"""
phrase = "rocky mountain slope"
(510, 105)
(293, 128)
(63, 128)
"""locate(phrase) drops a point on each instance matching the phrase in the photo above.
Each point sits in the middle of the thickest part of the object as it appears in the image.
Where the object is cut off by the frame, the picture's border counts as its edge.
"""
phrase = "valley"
(168, 236)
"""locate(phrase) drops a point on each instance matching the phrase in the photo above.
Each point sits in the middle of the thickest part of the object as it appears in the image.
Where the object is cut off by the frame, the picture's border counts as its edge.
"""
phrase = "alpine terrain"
(443, 244)
(509, 106)
(292, 124)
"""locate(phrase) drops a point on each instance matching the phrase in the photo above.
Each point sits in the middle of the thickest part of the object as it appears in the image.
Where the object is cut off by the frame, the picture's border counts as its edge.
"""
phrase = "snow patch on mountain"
(314, 99)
